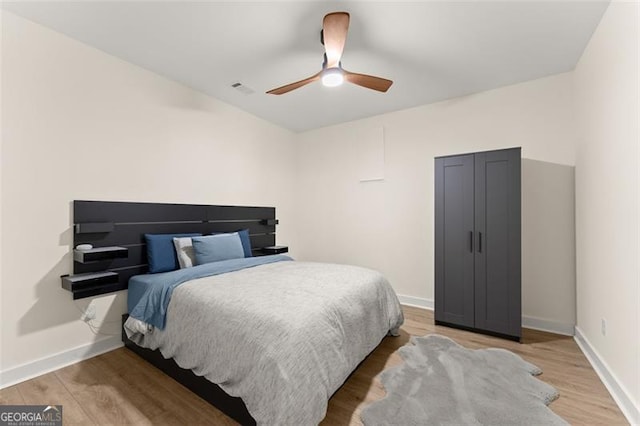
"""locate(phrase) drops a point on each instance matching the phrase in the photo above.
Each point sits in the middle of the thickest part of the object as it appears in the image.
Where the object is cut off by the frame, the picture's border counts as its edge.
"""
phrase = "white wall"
(548, 246)
(1, 143)
(388, 225)
(607, 214)
(80, 124)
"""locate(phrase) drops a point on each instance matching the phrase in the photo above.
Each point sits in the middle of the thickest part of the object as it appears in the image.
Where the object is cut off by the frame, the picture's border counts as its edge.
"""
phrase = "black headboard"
(109, 223)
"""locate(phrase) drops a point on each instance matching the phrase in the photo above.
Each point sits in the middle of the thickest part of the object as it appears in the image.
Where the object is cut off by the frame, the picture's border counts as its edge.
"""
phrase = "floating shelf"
(100, 253)
(91, 284)
(275, 249)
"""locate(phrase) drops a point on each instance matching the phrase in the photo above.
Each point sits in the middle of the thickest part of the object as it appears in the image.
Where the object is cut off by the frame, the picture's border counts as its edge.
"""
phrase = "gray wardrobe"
(477, 242)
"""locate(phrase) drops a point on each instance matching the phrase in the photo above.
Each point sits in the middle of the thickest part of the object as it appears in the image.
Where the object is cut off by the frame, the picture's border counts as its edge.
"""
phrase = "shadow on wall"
(55, 306)
(548, 243)
(47, 312)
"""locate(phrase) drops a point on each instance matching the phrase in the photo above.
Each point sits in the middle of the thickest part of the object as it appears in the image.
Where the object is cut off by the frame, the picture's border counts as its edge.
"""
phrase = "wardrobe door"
(497, 224)
(454, 240)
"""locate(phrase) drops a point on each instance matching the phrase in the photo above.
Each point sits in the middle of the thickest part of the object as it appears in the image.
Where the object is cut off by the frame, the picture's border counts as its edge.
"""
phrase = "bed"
(266, 339)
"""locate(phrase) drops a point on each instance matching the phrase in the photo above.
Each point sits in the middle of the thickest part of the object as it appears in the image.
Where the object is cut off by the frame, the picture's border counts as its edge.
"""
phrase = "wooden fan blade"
(334, 33)
(289, 87)
(368, 81)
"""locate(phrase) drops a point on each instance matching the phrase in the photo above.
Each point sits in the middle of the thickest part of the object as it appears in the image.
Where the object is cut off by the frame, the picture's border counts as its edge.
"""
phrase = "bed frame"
(124, 224)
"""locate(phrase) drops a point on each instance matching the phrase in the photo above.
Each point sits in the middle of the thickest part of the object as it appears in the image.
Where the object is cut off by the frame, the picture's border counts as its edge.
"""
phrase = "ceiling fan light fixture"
(333, 36)
(332, 77)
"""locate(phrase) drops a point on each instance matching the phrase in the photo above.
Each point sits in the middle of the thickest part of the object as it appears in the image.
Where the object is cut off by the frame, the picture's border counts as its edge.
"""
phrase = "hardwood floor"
(119, 388)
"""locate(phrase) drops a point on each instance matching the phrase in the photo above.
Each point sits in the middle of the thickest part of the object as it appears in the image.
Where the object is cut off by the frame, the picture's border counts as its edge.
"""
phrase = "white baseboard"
(548, 325)
(527, 322)
(620, 395)
(418, 302)
(50, 363)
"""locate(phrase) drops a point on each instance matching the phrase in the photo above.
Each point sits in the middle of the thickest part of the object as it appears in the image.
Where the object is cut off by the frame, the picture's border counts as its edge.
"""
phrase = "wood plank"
(11, 396)
(119, 212)
(129, 212)
(259, 241)
(126, 235)
(145, 378)
(49, 390)
(240, 212)
(105, 397)
(120, 388)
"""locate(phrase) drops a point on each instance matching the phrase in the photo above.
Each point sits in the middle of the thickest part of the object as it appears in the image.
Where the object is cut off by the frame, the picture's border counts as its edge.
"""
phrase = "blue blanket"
(149, 294)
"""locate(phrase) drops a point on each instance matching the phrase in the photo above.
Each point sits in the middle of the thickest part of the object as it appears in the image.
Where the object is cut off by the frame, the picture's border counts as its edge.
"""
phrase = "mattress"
(283, 335)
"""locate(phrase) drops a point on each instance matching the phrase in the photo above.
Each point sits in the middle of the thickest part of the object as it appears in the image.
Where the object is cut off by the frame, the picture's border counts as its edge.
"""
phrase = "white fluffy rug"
(443, 383)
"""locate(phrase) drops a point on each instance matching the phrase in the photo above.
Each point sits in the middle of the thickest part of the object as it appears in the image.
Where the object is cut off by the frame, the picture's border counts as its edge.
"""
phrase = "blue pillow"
(215, 248)
(244, 239)
(161, 254)
(246, 242)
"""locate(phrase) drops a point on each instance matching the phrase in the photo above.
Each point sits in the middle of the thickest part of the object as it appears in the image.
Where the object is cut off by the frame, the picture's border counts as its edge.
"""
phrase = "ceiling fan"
(333, 36)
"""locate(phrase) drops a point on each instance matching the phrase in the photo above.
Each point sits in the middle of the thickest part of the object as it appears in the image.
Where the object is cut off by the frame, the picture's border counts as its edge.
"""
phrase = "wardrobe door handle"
(471, 241)
(479, 242)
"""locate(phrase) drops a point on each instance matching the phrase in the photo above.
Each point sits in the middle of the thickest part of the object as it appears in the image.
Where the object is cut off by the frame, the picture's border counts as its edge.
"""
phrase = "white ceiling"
(431, 50)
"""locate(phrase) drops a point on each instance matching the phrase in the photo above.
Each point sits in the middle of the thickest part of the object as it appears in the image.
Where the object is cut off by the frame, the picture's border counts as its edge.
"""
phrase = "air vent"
(245, 90)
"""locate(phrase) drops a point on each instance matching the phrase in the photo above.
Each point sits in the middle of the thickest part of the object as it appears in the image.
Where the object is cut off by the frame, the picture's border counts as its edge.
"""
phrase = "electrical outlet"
(603, 326)
(89, 313)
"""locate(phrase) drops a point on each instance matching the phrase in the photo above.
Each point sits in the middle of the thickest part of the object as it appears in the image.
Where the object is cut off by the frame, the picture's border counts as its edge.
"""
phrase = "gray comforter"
(282, 336)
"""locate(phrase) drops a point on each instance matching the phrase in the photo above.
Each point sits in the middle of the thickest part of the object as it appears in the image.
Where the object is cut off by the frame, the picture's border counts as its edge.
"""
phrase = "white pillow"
(184, 252)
